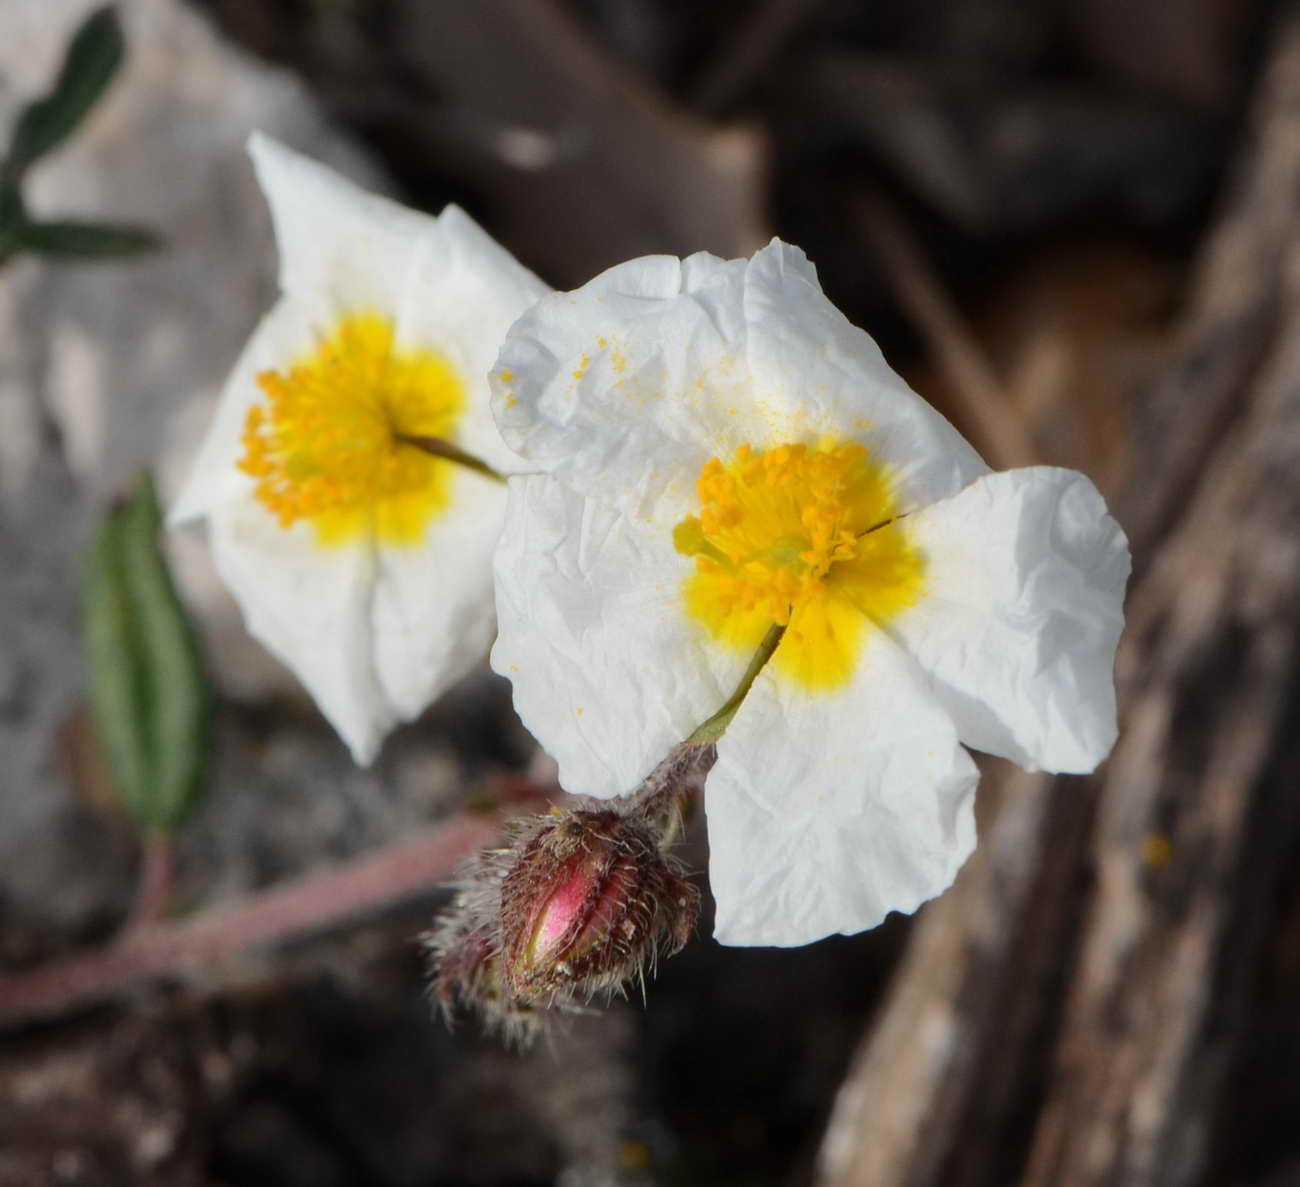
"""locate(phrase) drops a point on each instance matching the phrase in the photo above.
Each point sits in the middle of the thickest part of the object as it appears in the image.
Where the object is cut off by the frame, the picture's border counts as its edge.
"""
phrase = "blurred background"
(1073, 225)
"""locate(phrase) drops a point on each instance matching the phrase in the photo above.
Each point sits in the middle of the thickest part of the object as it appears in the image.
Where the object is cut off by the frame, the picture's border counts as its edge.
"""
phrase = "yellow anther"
(327, 444)
(782, 536)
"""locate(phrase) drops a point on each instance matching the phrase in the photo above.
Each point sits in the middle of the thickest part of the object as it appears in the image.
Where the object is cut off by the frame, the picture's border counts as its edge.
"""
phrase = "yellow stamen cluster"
(329, 443)
(802, 537)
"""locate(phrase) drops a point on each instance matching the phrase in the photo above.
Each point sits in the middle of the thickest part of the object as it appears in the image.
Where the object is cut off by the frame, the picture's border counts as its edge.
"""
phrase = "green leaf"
(77, 240)
(149, 697)
(109, 633)
(13, 219)
(91, 61)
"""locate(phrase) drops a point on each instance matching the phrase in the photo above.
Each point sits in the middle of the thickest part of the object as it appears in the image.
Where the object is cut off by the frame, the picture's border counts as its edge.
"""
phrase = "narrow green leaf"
(70, 239)
(92, 59)
(110, 640)
(13, 219)
(180, 713)
(149, 694)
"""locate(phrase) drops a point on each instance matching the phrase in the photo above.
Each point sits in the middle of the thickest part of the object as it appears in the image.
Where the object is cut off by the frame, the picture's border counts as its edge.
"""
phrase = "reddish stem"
(154, 890)
(308, 905)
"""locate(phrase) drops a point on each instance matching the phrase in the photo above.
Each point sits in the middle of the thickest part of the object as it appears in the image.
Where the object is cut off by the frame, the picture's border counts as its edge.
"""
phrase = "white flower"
(722, 453)
(358, 559)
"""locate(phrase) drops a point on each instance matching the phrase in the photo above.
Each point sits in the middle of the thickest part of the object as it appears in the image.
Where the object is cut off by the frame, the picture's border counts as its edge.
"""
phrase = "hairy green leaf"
(149, 695)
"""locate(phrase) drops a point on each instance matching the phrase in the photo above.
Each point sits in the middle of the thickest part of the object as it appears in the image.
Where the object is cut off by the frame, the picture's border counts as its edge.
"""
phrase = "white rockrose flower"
(744, 525)
(351, 478)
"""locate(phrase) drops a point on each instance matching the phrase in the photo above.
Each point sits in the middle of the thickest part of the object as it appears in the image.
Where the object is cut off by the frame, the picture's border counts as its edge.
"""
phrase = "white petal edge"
(463, 292)
(310, 607)
(627, 386)
(432, 613)
(340, 245)
(826, 811)
(1021, 616)
(608, 672)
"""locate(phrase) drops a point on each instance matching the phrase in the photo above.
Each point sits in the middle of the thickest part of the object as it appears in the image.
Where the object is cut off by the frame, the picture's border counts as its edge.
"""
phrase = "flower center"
(806, 538)
(329, 443)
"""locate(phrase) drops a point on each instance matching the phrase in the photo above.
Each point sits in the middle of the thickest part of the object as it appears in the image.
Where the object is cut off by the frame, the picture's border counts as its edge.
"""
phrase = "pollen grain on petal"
(326, 444)
(795, 536)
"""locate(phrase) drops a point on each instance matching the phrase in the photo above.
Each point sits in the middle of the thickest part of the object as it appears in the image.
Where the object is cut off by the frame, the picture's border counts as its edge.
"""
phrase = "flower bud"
(589, 901)
(469, 974)
(576, 904)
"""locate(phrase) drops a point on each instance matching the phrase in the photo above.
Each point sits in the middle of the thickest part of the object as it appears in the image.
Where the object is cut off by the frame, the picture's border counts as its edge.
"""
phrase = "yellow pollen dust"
(805, 537)
(327, 445)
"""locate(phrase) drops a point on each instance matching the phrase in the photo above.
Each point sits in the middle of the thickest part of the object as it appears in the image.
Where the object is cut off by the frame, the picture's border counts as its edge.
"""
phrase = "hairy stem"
(665, 793)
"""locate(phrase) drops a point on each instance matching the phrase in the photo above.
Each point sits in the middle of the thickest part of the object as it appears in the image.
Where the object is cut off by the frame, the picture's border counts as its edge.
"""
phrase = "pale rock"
(109, 366)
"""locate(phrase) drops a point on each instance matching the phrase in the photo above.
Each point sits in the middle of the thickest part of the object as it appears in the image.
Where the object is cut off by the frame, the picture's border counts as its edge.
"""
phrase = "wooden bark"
(645, 175)
(1066, 1015)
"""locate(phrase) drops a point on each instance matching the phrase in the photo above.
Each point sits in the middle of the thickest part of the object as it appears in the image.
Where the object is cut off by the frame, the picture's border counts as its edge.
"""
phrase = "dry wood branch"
(757, 43)
(626, 172)
(1234, 314)
(1070, 1022)
(1133, 1086)
(994, 421)
(923, 1044)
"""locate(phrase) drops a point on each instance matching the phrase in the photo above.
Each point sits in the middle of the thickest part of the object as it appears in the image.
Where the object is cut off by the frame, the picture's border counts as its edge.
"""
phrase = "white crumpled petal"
(310, 607)
(432, 611)
(630, 422)
(828, 811)
(607, 671)
(625, 388)
(373, 631)
(803, 348)
(1022, 612)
